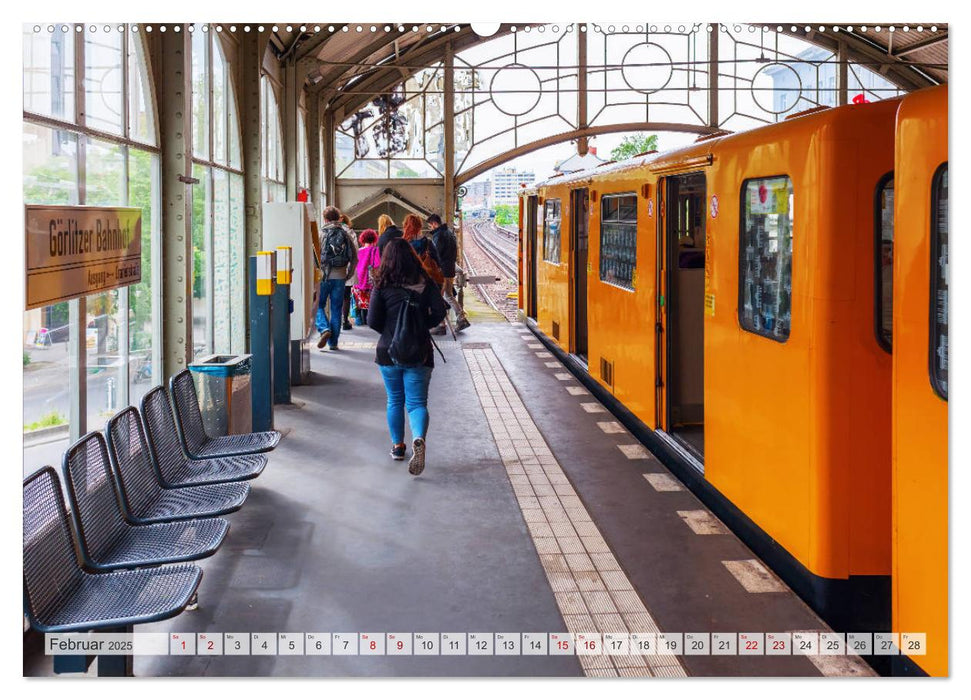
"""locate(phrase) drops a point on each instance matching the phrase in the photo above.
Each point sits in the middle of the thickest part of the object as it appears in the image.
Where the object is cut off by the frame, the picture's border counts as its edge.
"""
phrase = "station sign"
(73, 251)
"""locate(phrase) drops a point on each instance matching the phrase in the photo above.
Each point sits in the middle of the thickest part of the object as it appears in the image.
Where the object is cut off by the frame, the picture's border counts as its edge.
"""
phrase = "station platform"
(537, 512)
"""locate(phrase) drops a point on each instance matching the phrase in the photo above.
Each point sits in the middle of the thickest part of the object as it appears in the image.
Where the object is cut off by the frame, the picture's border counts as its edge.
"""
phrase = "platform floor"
(537, 512)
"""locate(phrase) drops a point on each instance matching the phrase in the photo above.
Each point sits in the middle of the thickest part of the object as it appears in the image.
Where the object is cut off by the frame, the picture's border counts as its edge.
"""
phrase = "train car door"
(681, 327)
(579, 209)
(532, 212)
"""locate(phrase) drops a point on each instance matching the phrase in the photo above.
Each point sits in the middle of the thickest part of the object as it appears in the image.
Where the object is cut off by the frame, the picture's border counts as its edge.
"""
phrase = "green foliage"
(632, 144)
(26, 358)
(507, 214)
(48, 420)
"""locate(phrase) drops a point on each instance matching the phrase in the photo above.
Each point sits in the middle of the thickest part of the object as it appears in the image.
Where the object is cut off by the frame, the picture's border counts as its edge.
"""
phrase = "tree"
(507, 214)
(633, 144)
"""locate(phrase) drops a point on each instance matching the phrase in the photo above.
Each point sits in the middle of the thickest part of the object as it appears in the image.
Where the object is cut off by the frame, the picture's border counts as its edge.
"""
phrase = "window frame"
(546, 231)
(616, 195)
(940, 390)
(741, 258)
(878, 264)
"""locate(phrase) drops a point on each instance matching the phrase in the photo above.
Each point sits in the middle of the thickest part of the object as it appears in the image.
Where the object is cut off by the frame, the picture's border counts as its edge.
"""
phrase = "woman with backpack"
(405, 304)
(368, 261)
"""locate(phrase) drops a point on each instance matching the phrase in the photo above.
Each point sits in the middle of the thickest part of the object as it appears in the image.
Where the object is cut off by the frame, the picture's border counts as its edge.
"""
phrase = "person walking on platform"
(405, 305)
(387, 231)
(338, 259)
(352, 277)
(447, 248)
(424, 248)
(368, 261)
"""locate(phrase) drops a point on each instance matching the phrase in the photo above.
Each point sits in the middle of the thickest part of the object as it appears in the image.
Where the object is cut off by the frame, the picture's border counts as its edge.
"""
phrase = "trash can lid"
(223, 365)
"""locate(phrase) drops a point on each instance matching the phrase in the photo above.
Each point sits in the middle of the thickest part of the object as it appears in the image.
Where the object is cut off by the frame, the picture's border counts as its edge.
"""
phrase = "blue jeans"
(333, 291)
(407, 389)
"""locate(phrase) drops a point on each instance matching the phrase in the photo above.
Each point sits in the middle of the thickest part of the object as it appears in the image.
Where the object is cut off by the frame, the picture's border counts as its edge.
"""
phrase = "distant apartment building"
(507, 182)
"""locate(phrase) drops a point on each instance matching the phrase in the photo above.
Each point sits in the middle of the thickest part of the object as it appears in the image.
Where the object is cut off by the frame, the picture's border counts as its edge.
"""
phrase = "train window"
(940, 277)
(883, 263)
(551, 231)
(618, 239)
(765, 257)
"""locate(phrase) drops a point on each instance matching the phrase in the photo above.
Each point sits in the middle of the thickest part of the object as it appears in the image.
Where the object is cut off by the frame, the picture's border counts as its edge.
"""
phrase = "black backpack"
(406, 348)
(336, 253)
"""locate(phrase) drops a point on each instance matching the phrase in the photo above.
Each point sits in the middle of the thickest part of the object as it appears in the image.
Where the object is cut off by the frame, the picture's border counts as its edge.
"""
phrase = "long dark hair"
(400, 265)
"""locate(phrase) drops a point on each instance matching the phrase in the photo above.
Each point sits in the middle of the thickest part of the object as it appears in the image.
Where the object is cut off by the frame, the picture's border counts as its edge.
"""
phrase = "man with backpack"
(338, 259)
(447, 248)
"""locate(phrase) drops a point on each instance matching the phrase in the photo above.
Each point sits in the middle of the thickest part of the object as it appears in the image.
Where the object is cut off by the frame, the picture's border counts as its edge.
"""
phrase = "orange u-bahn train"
(767, 310)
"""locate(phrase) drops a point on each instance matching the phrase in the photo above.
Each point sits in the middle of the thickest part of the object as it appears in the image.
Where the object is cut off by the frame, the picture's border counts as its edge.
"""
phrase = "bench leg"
(72, 664)
(109, 666)
(113, 666)
(193, 603)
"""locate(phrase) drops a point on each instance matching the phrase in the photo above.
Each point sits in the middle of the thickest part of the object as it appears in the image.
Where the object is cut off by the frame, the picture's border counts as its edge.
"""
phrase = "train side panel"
(621, 321)
(920, 413)
(553, 278)
(797, 432)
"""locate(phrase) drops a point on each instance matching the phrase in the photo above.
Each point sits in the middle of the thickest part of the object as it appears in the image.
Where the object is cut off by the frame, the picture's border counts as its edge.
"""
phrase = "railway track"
(499, 245)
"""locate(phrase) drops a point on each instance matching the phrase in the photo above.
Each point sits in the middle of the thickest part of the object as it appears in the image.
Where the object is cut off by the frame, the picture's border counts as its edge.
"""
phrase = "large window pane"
(142, 186)
(219, 110)
(103, 65)
(618, 239)
(49, 72)
(303, 157)
(50, 166)
(141, 107)
(766, 256)
(105, 174)
(221, 285)
(940, 282)
(200, 94)
(237, 265)
(107, 356)
(201, 235)
(50, 171)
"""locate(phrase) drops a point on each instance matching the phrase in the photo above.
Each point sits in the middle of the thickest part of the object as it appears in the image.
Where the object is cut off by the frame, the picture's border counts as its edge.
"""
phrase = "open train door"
(531, 214)
(681, 299)
(660, 311)
(580, 209)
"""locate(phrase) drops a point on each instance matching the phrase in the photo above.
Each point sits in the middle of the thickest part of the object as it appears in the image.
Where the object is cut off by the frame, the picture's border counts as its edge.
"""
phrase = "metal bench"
(142, 496)
(60, 596)
(106, 540)
(192, 431)
(173, 467)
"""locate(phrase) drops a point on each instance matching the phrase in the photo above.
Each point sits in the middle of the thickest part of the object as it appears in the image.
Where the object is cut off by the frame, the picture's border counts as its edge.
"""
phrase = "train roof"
(705, 145)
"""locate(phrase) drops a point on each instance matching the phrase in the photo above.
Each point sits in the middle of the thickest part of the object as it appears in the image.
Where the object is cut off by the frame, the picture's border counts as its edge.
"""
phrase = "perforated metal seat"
(142, 496)
(107, 540)
(192, 431)
(173, 467)
(59, 596)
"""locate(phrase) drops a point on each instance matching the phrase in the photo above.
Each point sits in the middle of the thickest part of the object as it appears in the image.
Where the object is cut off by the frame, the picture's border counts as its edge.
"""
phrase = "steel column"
(582, 142)
(842, 77)
(330, 166)
(313, 147)
(291, 104)
(251, 50)
(449, 122)
(175, 110)
(713, 76)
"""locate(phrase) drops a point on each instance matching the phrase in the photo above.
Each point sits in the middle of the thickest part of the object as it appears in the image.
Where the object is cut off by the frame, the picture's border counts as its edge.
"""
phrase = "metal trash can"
(224, 389)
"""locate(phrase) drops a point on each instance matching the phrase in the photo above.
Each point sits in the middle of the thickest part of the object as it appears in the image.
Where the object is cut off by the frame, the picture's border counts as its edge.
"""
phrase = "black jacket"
(447, 249)
(391, 232)
(383, 312)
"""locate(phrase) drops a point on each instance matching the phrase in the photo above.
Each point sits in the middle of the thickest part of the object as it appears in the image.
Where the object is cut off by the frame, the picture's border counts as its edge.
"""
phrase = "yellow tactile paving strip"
(591, 590)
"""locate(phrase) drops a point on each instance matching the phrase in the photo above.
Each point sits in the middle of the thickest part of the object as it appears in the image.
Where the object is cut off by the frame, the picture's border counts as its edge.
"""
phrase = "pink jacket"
(367, 257)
